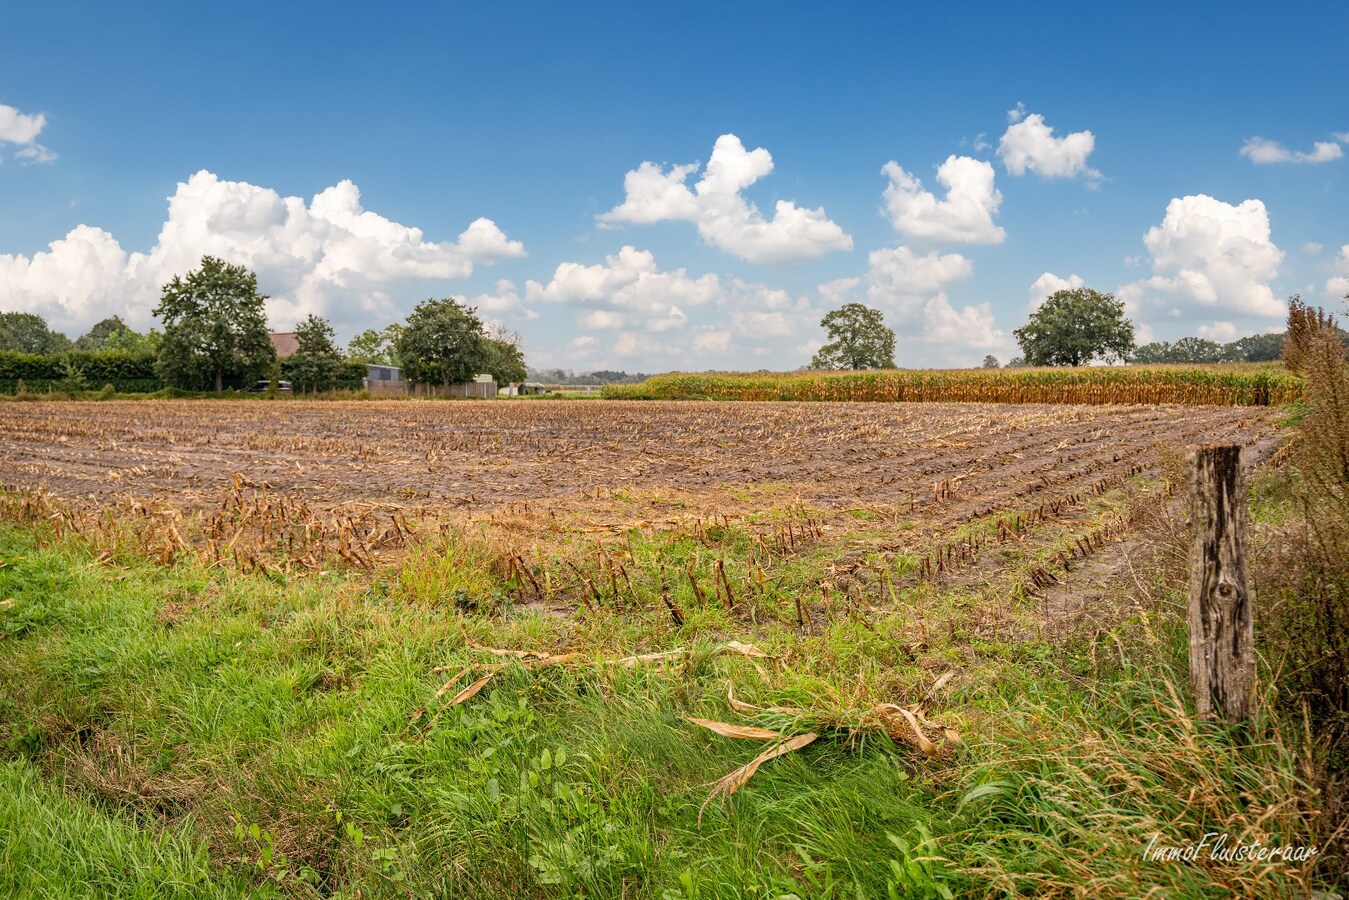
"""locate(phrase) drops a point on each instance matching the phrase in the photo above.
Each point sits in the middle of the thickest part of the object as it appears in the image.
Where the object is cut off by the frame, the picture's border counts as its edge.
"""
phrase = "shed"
(375, 372)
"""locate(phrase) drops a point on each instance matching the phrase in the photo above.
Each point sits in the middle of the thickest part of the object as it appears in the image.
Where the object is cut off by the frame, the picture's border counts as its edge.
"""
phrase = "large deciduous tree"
(96, 338)
(442, 343)
(1074, 327)
(858, 339)
(23, 332)
(315, 364)
(376, 347)
(215, 329)
(502, 356)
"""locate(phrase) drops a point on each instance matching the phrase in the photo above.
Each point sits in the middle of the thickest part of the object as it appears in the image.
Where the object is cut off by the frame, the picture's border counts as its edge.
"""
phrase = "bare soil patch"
(945, 461)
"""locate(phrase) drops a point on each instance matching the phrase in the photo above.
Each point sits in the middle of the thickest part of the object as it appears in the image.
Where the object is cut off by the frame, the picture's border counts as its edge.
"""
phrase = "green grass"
(58, 847)
(155, 718)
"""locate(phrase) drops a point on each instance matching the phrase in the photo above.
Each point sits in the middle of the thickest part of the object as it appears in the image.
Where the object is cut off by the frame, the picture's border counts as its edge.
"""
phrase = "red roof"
(285, 343)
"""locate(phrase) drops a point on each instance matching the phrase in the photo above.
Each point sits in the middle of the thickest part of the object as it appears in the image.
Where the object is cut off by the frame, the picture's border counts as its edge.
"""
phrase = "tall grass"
(271, 719)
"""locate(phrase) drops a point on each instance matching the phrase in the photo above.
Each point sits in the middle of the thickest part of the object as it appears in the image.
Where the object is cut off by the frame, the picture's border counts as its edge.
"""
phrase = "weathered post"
(1222, 635)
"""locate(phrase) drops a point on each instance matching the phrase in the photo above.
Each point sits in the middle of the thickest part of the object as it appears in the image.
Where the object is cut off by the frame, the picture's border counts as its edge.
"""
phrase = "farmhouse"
(285, 343)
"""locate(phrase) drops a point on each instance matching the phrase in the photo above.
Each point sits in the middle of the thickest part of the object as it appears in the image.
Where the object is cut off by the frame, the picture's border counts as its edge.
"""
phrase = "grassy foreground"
(179, 730)
(1229, 384)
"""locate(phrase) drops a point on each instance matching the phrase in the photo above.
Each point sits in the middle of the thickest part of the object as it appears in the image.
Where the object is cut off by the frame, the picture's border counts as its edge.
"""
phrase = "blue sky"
(651, 188)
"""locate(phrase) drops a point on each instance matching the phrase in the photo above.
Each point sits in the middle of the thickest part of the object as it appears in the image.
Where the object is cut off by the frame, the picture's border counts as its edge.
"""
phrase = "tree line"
(215, 338)
(1073, 327)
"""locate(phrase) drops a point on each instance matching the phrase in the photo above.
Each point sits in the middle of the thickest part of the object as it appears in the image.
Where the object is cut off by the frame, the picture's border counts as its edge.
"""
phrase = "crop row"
(1221, 385)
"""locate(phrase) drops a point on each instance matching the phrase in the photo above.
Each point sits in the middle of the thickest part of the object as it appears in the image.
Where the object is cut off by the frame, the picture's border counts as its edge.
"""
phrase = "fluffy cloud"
(1337, 286)
(627, 290)
(330, 257)
(964, 217)
(22, 129)
(712, 341)
(505, 302)
(1049, 283)
(910, 288)
(1219, 332)
(724, 218)
(78, 280)
(670, 318)
(1264, 152)
(899, 275)
(1209, 257)
(1029, 145)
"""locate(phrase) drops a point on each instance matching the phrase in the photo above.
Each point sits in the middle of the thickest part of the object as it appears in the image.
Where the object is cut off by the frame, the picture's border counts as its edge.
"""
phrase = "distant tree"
(376, 347)
(315, 363)
(23, 332)
(1074, 327)
(858, 339)
(1016, 362)
(129, 341)
(608, 376)
(991, 362)
(1257, 348)
(215, 330)
(97, 337)
(442, 343)
(1185, 350)
(503, 358)
(1153, 353)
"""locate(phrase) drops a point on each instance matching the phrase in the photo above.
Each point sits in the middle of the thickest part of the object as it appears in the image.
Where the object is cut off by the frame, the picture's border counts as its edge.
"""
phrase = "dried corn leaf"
(445, 688)
(745, 732)
(742, 706)
(912, 736)
(744, 650)
(938, 685)
(471, 690)
(518, 654)
(729, 784)
(649, 657)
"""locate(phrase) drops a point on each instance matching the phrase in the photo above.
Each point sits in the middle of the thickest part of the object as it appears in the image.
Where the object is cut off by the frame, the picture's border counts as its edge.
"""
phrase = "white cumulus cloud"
(1337, 286)
(911, 289)
(724, 218)
(1265, 152)
(965, 216)
(1049, 283)
(1029, 145)
(1210, 257)
(1219, 332)
(631, 307)
(504, 302)
(22, 130)
(629, 290)
(329, 257)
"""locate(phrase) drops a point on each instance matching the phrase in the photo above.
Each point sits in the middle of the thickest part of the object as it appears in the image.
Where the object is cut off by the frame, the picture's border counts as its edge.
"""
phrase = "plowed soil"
(952, 460)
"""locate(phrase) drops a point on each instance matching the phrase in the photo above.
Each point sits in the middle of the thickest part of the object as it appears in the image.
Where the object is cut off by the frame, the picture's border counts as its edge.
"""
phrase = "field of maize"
(1217, 385)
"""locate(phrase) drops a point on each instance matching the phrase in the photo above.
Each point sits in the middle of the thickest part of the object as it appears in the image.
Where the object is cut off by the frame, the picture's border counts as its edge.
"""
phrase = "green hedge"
(127, 372)
(350, 375)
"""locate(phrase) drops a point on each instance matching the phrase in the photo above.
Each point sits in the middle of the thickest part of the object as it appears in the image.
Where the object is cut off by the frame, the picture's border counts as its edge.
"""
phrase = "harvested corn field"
(616, 649)
(950, 457)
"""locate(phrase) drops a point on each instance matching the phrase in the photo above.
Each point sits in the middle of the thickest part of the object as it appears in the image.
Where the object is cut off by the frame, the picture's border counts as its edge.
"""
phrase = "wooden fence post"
(1222, 635)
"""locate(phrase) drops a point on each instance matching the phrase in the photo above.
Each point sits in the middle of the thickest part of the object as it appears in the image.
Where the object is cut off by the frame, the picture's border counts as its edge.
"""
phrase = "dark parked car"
(261, 387)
